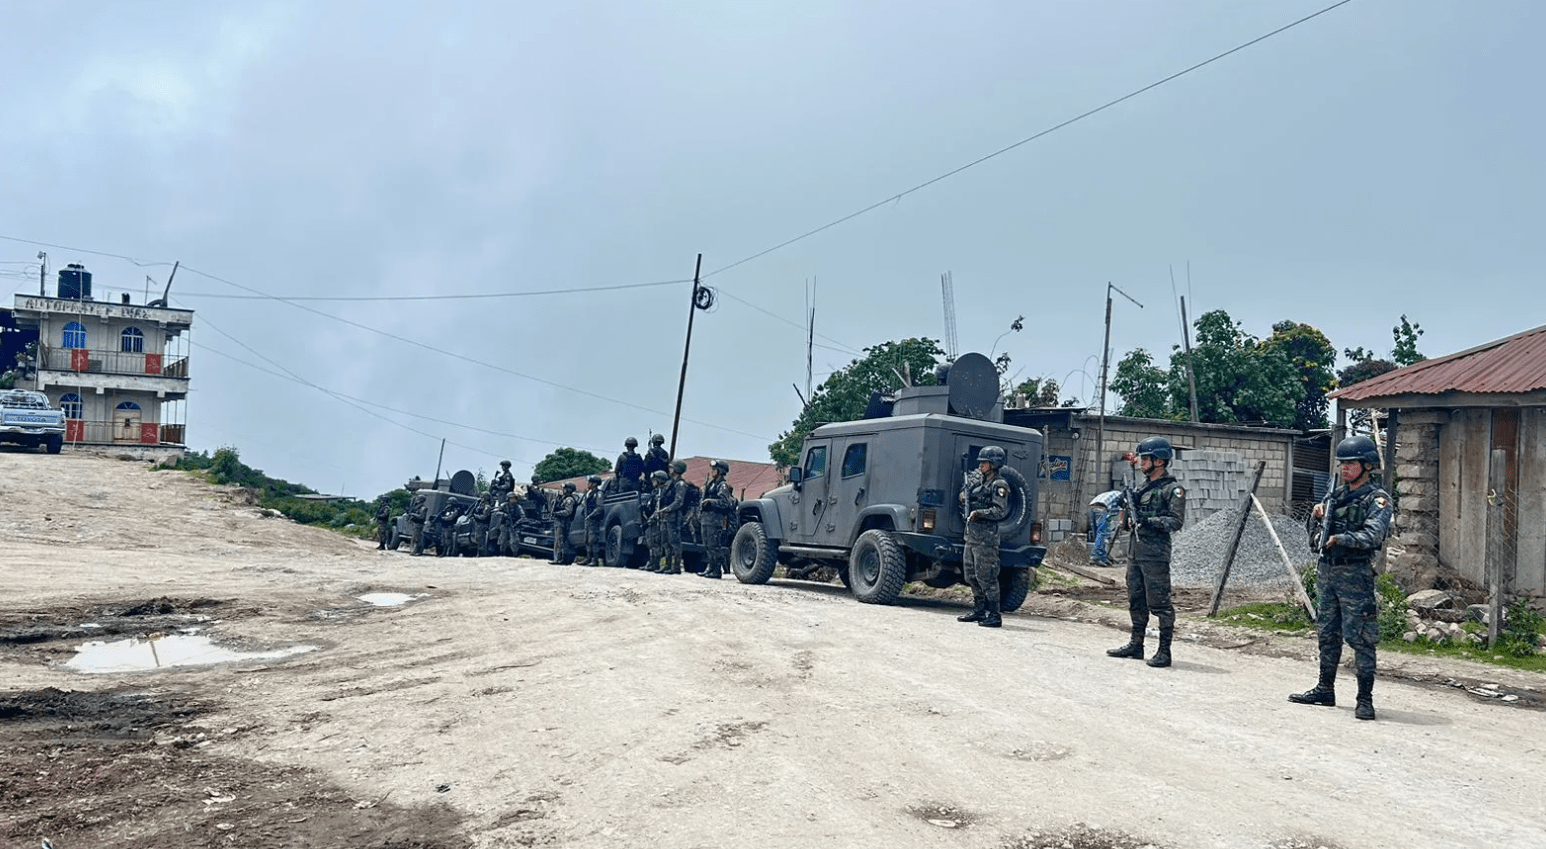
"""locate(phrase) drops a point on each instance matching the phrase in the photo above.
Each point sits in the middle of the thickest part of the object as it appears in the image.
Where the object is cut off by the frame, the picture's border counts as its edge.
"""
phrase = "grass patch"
(1425, 648)
(1276, 616)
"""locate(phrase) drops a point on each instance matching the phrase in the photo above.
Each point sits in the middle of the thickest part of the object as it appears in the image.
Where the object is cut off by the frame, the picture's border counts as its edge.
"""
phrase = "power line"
(458, 297)
(139, 262)
(1027, 140)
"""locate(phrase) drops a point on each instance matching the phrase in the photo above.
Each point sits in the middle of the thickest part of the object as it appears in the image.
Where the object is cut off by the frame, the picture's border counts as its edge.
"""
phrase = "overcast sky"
(1384, 158)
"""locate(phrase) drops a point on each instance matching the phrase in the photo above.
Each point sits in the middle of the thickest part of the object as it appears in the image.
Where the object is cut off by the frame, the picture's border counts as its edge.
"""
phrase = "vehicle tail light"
(1036, 533)
(926, 520)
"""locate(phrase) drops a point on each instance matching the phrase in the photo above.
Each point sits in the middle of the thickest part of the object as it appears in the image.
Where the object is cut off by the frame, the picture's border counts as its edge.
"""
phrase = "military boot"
(1161, 657)
(1133, 649)
(979, 609)
(991, 618)
(1365, 708)
(1323, 693)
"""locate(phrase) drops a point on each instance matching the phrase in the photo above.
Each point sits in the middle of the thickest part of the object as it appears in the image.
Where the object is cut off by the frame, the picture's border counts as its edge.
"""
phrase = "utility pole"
(43, 274)
(693, 305)
(1105, 358)
(1191, 377)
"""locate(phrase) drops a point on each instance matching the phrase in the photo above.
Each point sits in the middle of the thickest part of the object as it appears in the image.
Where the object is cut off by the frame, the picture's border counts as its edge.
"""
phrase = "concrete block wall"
(1214, 481)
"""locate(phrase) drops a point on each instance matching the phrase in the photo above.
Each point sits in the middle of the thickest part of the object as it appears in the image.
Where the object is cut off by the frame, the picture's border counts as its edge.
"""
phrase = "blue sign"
(1058, 467)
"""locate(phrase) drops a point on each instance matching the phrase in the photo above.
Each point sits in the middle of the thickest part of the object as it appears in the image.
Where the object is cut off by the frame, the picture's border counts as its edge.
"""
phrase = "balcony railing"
(127, 430)
(113, 362)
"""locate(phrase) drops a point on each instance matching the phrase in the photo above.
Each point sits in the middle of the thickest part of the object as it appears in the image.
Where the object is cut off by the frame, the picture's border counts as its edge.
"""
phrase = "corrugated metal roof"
(1516, 364)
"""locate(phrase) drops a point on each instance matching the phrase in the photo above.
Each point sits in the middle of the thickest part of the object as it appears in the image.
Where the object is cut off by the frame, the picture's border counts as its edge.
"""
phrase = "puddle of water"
(135, 655)
(386, 599)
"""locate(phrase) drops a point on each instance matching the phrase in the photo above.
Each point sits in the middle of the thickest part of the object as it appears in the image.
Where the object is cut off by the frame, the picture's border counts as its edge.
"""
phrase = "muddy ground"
(513, 703)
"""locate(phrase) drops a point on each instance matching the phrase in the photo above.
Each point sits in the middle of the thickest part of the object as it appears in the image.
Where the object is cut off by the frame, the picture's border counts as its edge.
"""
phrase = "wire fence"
(1502, 556)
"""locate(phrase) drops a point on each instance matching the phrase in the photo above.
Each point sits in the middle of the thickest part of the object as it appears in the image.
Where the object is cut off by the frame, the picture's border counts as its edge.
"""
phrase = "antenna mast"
(947, 288)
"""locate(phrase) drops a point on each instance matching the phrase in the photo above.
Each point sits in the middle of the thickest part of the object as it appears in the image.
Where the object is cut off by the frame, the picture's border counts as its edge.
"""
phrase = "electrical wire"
(457, 297)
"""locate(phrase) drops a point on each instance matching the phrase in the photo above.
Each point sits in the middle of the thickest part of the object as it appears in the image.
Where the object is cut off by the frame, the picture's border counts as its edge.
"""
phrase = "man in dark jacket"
(1156, 510)
(628, 471)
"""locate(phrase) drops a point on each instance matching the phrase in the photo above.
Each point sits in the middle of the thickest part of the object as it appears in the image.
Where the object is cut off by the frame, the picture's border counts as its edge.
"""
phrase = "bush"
(1521, 629)
(1393, 607)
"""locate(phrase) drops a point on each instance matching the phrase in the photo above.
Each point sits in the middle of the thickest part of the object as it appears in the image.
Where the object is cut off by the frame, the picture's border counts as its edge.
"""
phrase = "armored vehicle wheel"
(1013, 587)
(613, 553)
(55, 443)
(1021, 510)
(877, 568)
(751, 555)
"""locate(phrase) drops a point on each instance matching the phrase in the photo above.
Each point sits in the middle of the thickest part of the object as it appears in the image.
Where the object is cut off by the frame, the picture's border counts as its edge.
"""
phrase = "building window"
(132, 341)
(128, 405)
(71, 403)
(74, 335)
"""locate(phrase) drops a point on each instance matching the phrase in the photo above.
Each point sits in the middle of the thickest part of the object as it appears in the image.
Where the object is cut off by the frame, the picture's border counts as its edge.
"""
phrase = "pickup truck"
(27, 418)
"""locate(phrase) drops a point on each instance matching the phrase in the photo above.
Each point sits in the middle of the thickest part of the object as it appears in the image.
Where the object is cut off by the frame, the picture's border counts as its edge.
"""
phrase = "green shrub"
(1521, 629)
(1393, 607)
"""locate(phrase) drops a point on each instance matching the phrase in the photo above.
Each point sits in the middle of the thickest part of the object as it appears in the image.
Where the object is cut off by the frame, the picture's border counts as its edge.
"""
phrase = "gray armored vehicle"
(27, 418)
(459, 488)
(878, 498)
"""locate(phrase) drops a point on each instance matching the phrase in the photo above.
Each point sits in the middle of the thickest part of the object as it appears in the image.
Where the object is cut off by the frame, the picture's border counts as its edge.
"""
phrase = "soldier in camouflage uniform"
(383, 522)
(628, 471)
(654, 535)
(447, 544)
(416, 520)
(509, 528)
(536, 498)
(563, 514)
(672, 510)
(503, 483)
(480, 523)
(590, 513)
(656, 459)
(986, 498)
(1352, 524)
(716, 513)
(1155, 511)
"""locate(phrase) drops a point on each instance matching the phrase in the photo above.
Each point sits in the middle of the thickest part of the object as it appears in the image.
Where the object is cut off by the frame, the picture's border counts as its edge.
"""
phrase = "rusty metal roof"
(1516, 364)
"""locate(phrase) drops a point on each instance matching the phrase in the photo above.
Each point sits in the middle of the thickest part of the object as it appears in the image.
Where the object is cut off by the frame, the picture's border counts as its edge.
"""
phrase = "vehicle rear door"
(810, 513)
(849, 491)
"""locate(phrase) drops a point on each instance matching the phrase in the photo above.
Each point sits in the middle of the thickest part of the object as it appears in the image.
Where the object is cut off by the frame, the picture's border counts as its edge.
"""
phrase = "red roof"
(748, 479)
(1508, 366)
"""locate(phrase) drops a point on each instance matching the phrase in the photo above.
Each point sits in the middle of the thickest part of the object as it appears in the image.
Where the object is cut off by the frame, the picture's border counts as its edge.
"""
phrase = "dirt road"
(513, 703)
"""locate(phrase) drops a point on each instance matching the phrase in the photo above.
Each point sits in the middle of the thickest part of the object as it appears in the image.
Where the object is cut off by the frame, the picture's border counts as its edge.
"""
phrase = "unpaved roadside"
(519, 704)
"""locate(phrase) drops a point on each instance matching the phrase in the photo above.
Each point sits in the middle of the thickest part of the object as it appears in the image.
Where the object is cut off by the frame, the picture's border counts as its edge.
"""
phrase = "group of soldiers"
(666, 508)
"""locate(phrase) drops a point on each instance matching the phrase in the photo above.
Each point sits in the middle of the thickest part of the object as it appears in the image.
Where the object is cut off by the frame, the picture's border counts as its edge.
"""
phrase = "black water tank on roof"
(75, 282)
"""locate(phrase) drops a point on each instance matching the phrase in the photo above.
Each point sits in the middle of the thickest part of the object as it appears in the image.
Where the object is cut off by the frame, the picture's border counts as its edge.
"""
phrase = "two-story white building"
(119, 370)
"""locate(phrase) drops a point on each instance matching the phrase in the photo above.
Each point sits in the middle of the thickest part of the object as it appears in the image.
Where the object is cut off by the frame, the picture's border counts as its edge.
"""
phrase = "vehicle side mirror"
(796, 475)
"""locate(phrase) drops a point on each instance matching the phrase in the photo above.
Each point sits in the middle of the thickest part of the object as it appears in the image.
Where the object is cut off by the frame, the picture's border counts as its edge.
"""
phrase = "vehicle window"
(816, 462)
(854, 458)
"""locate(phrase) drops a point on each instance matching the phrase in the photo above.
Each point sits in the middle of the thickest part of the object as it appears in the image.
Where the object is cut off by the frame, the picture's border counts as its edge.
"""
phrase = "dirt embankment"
(512, 703)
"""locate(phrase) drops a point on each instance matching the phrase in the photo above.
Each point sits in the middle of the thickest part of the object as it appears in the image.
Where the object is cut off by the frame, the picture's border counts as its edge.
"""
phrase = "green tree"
(1404, 352)
(1039, 391)
(1313, 356)
(845, 393)
(1143, 387)
(1239, 379)
(569, 462)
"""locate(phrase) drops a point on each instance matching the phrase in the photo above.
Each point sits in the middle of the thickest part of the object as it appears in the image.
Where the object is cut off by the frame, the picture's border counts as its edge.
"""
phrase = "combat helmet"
(679, 466)
(993, 456)
(568, 486)
(630, 442)
(1157, 447)
(1359, 448)
(505, 463)
(721, 465)
(594, 480)
(658, 439)
(659, 476)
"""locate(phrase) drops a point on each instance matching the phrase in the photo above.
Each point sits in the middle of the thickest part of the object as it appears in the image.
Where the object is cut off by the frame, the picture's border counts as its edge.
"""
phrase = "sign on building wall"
(1057, 467)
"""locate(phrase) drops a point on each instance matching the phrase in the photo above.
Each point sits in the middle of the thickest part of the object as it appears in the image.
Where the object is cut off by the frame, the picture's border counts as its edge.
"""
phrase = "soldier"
(673, 507)
(481, 515)
(508, 527)
(536, 499)
(654, 538)
(590, 513)
(503, 483)
(448, 517)
(1354, 521)
(383, 522)
(563, 513)
(416, 520)
(656, 459)
(1154, 512)
(629, 469)
(986, 498)
(714, 518)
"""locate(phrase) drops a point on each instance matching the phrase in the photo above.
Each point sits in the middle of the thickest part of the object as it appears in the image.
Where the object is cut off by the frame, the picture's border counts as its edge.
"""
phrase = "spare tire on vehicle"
(1021, 508)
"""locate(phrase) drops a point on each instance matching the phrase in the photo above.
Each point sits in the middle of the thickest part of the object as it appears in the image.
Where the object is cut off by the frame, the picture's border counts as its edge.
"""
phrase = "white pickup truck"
(26, 418)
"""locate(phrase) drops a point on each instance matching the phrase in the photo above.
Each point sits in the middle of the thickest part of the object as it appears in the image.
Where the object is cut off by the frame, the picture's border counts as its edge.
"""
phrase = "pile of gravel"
(1198, 551)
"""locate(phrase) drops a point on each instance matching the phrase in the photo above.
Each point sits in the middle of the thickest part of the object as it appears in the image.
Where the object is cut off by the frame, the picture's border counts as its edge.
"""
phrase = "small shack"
(1447, 416)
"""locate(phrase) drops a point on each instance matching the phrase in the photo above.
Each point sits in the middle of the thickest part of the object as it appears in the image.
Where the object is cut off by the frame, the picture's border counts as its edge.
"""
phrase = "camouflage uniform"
(1347, 609)
(654, 536)
(590, 512)
(1158, 512)
(508, 541)
(480, 523)
(563, 514)
(383, 524)
(717, 510)
(628, 471)
(503, 483)
(656, 460)
(987, 498)
(448, 517)
(416, 523)
(673, 507)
